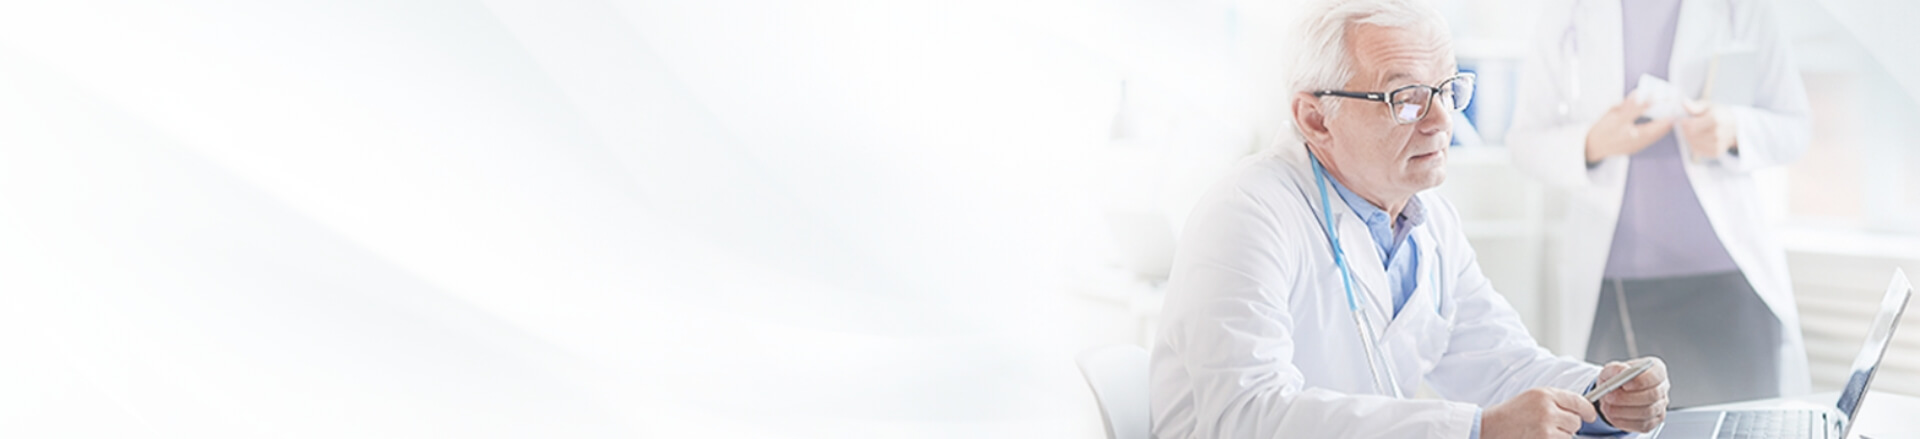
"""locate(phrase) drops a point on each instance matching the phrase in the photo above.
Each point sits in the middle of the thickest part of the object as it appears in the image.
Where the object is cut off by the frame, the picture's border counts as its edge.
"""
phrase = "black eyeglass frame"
(1386, 97)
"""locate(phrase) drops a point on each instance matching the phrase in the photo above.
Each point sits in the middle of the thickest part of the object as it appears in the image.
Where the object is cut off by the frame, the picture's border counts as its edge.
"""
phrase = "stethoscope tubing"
(1383, 377)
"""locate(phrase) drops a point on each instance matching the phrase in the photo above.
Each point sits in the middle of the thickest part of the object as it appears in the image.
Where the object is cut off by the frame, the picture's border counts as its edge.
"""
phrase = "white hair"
(1321, 56)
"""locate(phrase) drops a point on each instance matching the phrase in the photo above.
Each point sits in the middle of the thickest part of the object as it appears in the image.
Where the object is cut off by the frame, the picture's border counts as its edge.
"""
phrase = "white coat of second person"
(1573, 80)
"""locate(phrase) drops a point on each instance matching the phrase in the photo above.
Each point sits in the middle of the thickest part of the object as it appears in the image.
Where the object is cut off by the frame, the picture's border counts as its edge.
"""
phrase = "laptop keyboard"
(1773, 424)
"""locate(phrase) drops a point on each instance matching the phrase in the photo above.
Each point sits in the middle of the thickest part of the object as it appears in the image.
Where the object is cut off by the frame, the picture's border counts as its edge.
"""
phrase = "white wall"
(516, 219)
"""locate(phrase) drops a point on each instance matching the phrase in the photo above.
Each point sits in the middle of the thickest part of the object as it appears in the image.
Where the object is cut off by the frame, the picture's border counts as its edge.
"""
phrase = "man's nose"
(1437, 120)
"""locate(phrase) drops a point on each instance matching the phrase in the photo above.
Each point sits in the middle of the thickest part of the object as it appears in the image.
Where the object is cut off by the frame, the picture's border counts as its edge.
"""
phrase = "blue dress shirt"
(1393, 241)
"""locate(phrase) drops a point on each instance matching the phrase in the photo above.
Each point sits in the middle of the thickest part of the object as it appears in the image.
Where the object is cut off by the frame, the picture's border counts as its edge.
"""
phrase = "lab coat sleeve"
(1778, 127)
(1547, 143)
(1490, 357)
(1228, 321)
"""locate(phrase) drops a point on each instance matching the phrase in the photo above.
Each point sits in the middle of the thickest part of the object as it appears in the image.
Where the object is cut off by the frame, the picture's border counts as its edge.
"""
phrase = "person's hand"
(1538, 413)
(1640, 404)
(1616, 134)
(1708, 131)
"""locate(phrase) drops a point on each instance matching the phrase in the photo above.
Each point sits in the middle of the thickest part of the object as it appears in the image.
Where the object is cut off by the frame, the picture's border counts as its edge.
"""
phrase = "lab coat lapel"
(1423, 304)
(1420, 334)
(1700, 32)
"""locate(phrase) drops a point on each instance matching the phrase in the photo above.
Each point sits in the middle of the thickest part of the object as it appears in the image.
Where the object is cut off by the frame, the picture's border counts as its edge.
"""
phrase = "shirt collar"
(1384, 232)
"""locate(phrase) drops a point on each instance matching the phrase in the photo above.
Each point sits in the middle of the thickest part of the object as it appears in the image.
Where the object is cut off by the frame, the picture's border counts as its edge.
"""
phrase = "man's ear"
(1310, 117)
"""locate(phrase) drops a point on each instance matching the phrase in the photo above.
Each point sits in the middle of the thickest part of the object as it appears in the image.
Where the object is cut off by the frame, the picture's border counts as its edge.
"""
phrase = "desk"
(1882, 416)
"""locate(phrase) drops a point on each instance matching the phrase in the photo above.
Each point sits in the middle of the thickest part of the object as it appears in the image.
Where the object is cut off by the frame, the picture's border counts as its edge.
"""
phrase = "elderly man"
(1318, 286)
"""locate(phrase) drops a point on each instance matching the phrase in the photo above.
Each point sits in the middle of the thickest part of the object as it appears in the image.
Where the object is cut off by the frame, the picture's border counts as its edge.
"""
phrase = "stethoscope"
(1569, 49)
(1383, 377)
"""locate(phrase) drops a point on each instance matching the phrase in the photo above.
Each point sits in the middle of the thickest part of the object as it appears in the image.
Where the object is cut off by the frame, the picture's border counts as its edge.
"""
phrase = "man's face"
(1374, 155)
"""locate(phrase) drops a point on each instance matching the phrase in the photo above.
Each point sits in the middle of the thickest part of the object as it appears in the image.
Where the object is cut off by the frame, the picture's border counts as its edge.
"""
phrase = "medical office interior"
(734, 218)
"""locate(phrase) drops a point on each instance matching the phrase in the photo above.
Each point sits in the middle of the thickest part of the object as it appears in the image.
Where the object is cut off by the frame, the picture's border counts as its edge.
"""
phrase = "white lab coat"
(1257, 340)
(1574, 75)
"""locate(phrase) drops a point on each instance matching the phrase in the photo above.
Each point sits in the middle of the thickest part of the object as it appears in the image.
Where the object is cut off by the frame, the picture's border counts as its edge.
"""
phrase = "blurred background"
(732, 218)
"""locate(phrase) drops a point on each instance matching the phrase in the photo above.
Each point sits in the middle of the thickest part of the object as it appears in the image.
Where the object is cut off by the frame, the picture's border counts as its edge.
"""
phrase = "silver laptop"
(1823, 423)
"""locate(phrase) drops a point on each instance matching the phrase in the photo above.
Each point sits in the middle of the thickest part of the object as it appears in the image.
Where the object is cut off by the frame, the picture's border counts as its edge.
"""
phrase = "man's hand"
(1708, 131)
(1640, 404)
(1616, 134)
(1538, 413)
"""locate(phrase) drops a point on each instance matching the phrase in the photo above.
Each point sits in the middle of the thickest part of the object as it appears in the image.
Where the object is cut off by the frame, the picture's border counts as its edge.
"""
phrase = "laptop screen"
(1864, 366)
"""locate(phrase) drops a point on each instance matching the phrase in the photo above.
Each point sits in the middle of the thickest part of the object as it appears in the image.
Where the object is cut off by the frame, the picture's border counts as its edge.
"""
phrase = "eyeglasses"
(1408, 104)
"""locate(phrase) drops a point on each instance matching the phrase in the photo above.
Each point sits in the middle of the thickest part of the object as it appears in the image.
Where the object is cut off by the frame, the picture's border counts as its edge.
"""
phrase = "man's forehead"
(1392, 54)
(1423, 66)
(1399, 75)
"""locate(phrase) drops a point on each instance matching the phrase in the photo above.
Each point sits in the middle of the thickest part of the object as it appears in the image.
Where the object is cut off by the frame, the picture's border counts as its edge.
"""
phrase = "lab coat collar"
(1387, 235)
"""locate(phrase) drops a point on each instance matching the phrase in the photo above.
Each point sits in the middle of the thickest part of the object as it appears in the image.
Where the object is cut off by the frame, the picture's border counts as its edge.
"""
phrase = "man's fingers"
(1617, 411)
(1573, 403)
(1639, 398)
(1648, 380)
(1566, 422)
(1654, 377)
(1640, 403)
(1640, 420)
(1608, 371)
(1623, 419)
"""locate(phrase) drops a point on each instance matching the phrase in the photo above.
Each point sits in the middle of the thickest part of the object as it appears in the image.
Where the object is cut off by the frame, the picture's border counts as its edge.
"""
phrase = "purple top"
(1662, 232)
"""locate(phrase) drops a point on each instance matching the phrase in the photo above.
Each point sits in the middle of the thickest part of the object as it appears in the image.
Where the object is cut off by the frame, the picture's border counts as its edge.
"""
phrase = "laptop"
(1821, 423)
